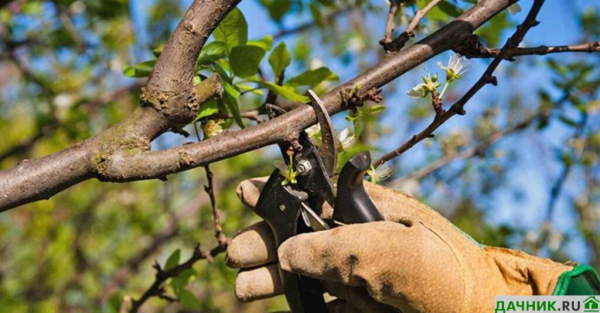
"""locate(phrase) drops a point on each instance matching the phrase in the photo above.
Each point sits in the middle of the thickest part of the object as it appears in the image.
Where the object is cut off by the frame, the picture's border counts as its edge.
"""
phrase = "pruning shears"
(294, 208)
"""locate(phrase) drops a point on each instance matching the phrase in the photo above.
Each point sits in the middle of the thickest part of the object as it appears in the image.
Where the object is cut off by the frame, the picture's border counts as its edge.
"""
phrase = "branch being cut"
(120, 154)
(486, 78)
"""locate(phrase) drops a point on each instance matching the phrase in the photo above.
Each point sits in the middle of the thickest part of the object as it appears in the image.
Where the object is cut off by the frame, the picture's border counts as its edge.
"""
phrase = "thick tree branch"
(174, 69)
(157, 164)
(166, 101)
(486, 78)
(120, 154)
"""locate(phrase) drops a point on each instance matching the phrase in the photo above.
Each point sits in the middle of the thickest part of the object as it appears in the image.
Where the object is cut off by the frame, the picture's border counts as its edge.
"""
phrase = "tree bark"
(121, 153)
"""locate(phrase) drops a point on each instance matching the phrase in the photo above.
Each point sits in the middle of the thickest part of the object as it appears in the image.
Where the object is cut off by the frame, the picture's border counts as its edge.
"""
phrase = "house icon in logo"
(591, 304)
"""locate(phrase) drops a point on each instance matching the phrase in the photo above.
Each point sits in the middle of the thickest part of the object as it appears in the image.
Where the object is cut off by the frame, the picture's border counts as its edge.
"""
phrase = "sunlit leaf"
(312, 77)
(230, 99)
(173, 260)
(188, 299)
(211, 52)
(265, 42)
(181, 281)
(277, 8)
(233, 30)
(207, 109)
(286, 91)
(244, 60)
(280, 58)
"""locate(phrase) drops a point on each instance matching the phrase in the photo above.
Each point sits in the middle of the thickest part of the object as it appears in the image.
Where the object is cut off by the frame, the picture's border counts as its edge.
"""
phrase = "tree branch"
(389, 24)
(483, 52)
(476, 150)
(486, 78)
(157, 164)
(210, 190)
(120, 153)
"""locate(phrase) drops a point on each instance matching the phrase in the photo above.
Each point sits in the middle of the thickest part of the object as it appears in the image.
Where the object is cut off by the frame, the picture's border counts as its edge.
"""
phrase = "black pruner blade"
(281, 206)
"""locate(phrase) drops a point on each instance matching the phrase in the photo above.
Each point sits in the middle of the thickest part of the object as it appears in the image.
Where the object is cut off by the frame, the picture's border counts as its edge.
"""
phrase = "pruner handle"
(352, 204)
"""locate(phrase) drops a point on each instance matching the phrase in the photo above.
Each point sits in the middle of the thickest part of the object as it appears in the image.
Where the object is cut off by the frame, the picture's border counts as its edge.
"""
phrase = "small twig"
(125, 303)
(476, 150)
(409, 32)
(68, 24)
(557, 188)
(157, 290)
(221, 238)
(486, 78)
(479, 51)
(389, 25)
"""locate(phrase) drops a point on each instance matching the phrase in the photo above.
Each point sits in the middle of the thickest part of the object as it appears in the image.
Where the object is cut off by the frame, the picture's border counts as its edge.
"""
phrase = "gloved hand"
(415, 261)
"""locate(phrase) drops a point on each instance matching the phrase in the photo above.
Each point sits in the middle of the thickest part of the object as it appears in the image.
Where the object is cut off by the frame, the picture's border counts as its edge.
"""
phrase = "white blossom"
(514, 9)
(377, 175)
(418, 91)
(430, 84)
(457, 66)
(346, 138)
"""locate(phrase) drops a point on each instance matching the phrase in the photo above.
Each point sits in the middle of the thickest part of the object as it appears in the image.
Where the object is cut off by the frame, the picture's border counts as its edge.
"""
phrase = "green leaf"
(230, 100)
(196, 80)
(449, 9)
(32, 8)
(157, 51)
(233, 30)
(277, 8)
(244, 60)
(265, 42)
(188, 299)
(182, 280)
(250, 89)
(143, 69)
(280, 58)
(207, 109)
(173, 260)
(376, 109)
(312, 77)
(286, 91)
(211, 52)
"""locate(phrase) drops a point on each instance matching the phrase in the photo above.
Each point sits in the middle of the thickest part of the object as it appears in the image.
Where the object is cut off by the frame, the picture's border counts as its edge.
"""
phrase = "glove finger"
(395, 261)
(357, 297)
(248, 191)
(251, 247)
(258, 283)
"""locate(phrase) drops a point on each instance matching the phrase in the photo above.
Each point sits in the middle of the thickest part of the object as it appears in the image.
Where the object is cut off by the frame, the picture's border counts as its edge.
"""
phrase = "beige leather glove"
(415, 261)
